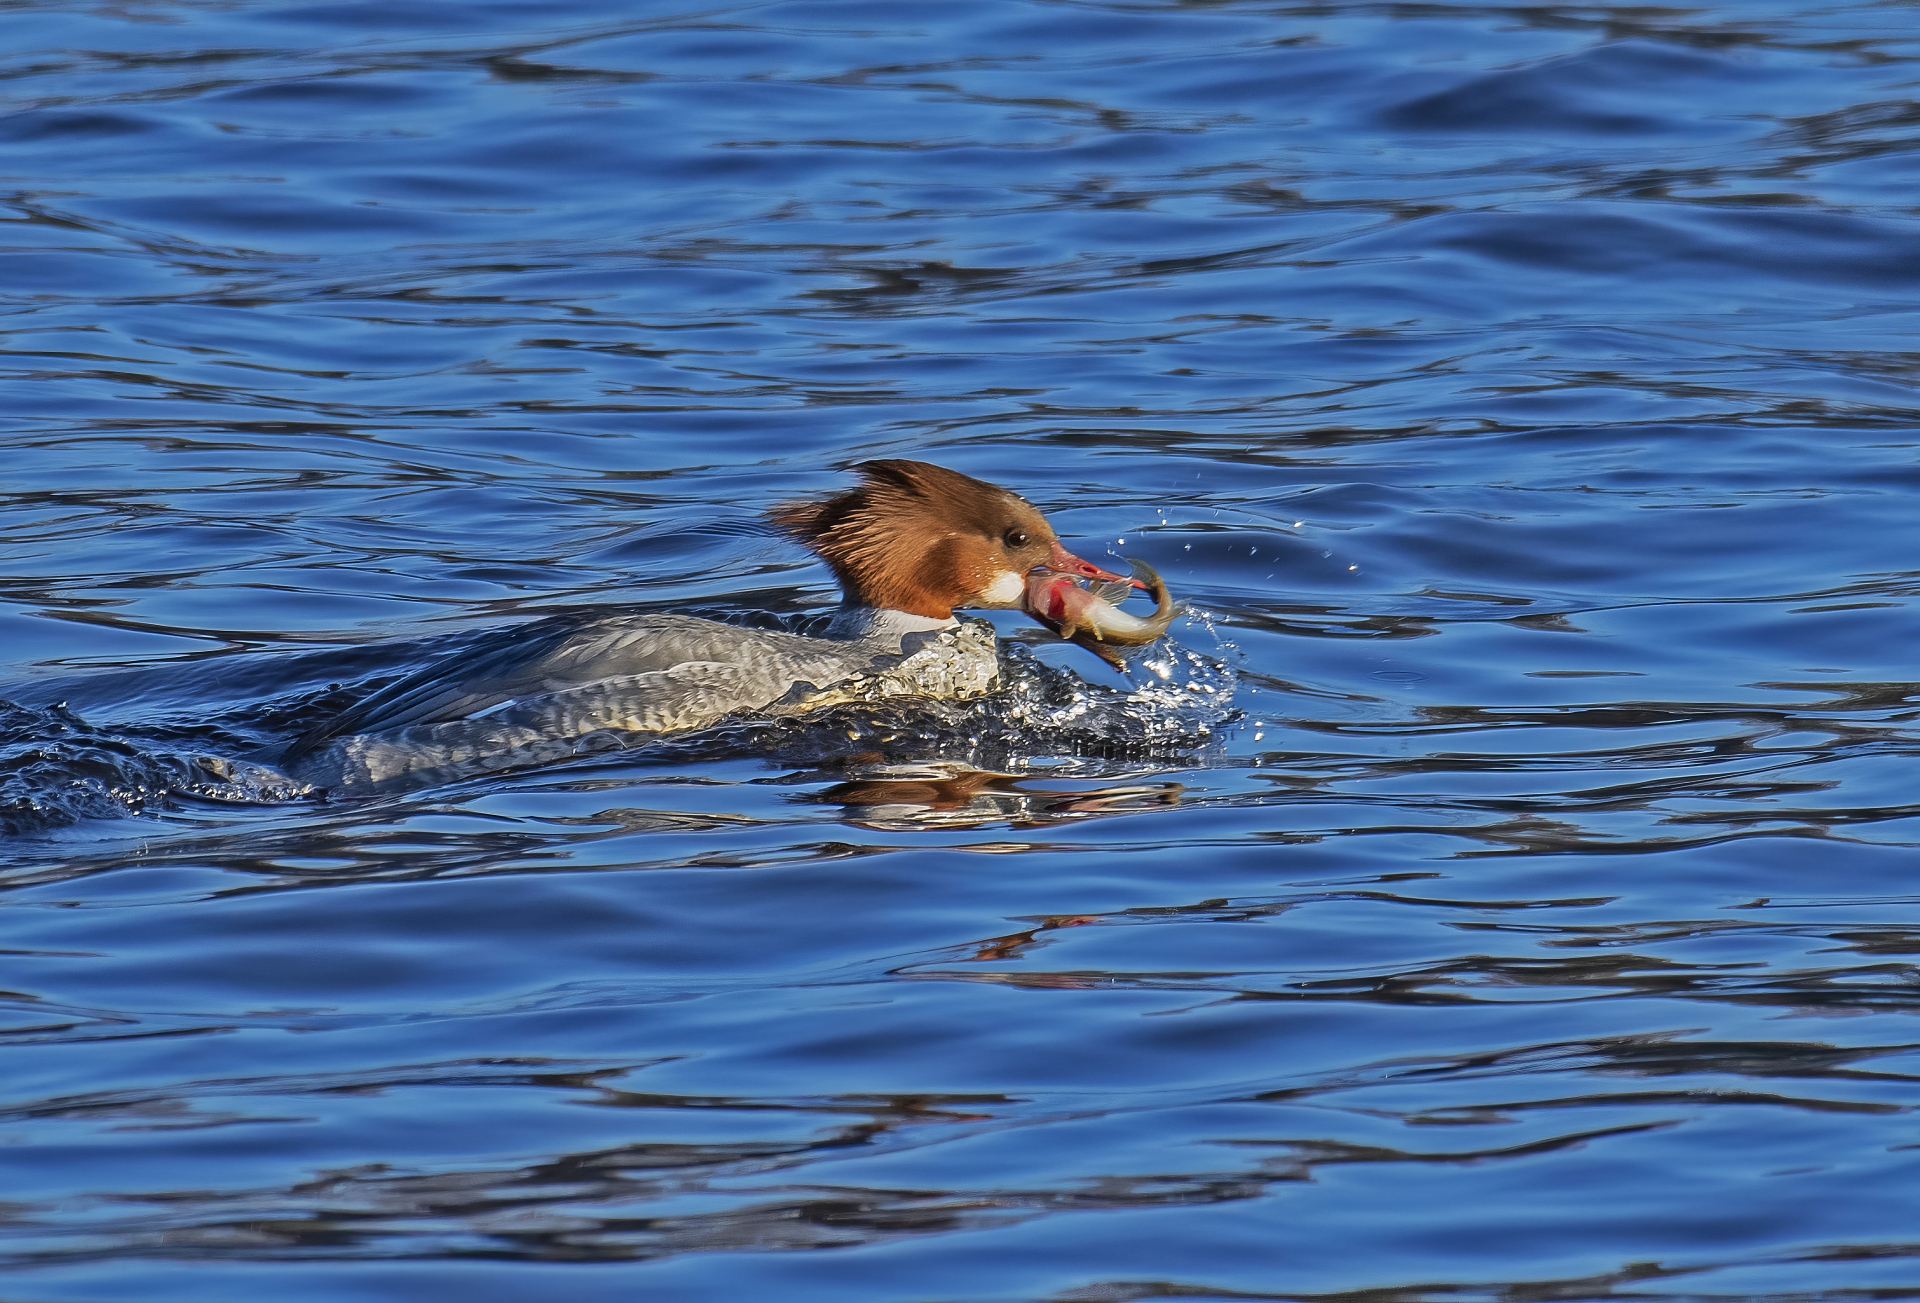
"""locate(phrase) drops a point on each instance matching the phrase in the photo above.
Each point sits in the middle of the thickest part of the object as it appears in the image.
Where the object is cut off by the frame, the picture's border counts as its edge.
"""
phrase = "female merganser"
(908, 545)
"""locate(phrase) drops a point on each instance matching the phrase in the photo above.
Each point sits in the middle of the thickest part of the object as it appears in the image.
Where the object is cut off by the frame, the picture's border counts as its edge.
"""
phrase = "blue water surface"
(1511, 892)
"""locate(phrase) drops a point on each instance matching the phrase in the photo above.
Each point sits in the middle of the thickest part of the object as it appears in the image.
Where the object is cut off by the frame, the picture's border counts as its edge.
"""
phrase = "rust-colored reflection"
(900, 798)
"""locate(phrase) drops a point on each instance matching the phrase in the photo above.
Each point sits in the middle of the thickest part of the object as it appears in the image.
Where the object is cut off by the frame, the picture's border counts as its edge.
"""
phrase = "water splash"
(57, 769)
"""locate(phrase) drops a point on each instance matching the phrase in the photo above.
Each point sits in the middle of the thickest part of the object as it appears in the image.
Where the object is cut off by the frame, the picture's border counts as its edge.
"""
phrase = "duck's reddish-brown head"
(923, 539)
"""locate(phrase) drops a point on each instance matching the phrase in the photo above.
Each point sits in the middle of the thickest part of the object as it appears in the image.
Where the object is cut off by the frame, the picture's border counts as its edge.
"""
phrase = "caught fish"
(1091, 617)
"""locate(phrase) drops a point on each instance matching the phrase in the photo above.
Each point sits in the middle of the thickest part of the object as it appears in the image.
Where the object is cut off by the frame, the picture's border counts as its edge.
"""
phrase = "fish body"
(1091, 616)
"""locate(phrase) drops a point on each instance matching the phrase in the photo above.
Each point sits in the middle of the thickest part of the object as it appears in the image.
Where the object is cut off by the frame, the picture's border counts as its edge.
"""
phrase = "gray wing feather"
(632, 658)
(453, 688)
(533, 730)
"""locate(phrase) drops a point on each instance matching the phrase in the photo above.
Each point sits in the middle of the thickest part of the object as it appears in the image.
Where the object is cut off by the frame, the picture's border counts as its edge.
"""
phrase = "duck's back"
(570, 685)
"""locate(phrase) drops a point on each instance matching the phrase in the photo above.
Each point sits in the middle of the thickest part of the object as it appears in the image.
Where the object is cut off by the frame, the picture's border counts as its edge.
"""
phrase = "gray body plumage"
(569, 686)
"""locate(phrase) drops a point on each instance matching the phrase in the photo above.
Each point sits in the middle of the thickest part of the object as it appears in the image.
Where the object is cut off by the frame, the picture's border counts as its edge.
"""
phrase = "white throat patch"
(1006, 589)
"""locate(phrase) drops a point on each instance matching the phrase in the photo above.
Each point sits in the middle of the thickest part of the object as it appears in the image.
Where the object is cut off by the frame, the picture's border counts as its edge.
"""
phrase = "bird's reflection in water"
(892, 798)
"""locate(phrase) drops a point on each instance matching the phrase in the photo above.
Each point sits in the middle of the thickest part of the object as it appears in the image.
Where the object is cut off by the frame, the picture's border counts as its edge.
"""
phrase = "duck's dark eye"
(1016, 538)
